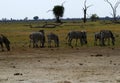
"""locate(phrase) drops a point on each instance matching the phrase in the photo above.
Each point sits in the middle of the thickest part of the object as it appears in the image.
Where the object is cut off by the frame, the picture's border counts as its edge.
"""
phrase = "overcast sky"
(19, 9)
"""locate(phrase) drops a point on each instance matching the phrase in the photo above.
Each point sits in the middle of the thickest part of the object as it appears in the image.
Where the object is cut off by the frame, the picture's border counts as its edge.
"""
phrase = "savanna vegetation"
(18, 32)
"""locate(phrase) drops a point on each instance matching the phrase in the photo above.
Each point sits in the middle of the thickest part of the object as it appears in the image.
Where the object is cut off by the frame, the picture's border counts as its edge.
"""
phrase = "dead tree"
(114, 9)
(85, 11)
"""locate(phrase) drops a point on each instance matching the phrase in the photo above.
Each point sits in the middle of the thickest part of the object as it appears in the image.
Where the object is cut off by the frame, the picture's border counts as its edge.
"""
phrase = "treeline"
(53, 20)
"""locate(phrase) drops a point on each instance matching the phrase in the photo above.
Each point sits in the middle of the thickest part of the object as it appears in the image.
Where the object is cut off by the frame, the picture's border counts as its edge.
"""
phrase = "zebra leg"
(113, 42)
(42, 44)
(70, 41)
(102, 42)
(33, 42)
(56, 43)
(99, 42)
(49, 44)
(35, 45)
(8, 47)
(81, 41)
(2, 46)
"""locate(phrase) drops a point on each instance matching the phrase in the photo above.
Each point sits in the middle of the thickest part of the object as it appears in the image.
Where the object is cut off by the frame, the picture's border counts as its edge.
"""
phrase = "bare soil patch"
(57, 65)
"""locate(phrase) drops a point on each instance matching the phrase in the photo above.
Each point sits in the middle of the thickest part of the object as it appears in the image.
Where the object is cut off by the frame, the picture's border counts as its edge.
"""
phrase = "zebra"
(36, 37)
(77, 35)
(97, 36)
(54, 37)
(103, 36)
(107, 35)
(4, 40)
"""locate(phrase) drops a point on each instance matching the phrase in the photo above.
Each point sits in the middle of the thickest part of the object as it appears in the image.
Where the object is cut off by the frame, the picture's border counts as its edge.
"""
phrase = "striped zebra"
(81, 35)
(53, 37)
(36, 37)
(106, 35)
(103, 36)
(97, 37)
(4, 41)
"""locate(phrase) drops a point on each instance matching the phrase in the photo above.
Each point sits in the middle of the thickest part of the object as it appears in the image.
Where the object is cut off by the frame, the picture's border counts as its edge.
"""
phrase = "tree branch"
(85, 3)
(86, 7)
(114, 9)
(117, 4)
(63, 3)
(89, 6)
(109, 4)
(49, 11)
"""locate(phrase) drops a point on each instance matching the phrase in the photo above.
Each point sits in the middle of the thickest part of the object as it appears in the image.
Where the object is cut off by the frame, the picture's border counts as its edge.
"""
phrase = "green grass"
(18, 33)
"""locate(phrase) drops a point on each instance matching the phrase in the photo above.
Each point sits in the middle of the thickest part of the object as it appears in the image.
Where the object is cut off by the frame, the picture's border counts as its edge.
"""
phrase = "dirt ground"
(57, 65)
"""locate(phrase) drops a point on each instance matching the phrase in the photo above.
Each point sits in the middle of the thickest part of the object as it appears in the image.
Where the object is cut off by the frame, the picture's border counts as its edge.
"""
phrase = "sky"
(19, 9)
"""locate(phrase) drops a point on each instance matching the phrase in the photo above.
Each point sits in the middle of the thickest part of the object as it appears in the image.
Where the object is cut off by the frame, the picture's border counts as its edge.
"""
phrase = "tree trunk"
(84, 20)
(58, 19)
(114, 17)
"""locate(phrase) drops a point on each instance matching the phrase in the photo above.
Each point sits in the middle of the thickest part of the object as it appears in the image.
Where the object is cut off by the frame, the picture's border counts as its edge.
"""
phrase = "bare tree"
(114, 9)
(85, 11)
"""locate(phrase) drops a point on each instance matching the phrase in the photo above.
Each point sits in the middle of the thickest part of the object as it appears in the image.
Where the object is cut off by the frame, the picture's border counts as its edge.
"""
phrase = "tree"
(94, 17)
(114, 9)
(26, 18)
(85, 11)
(35, 17)
(58, 11)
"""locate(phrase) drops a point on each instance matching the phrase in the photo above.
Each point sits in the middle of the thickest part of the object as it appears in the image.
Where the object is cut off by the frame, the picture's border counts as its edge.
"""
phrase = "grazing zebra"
(36, 37)
(53, 37)
(77, 35)
(107, 35)
(103, 36)
(4, 40)
(97, 37)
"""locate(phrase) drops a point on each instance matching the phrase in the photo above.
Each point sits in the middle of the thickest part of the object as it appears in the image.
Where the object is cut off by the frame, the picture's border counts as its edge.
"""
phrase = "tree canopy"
(94, 17)
(35, 17)
(58, 11)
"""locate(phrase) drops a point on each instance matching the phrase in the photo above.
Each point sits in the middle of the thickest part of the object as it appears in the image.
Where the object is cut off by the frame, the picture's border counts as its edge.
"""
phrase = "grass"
(18, 33)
